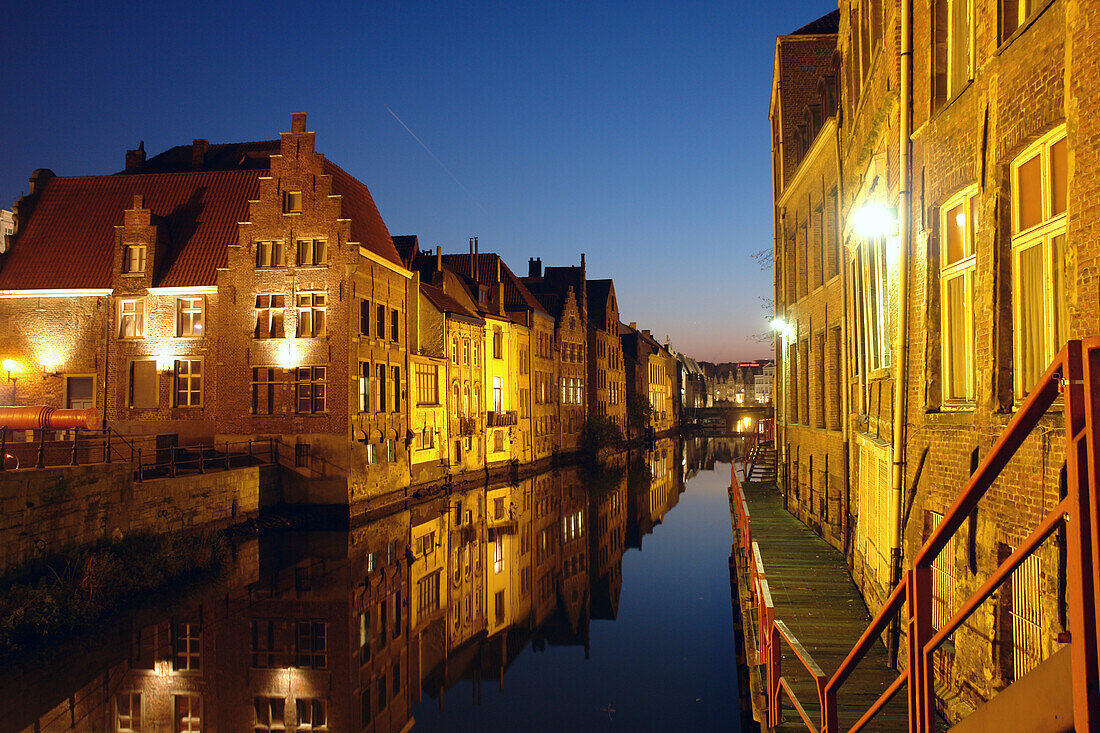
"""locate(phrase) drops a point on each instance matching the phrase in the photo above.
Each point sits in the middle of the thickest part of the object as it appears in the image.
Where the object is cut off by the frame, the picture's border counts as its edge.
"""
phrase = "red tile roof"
(367, 227)
(516, 294)
(69, 239)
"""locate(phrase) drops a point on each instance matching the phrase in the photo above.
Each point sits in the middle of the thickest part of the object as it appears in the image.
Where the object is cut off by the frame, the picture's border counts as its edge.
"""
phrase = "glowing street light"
(783, 328)
(875, 219)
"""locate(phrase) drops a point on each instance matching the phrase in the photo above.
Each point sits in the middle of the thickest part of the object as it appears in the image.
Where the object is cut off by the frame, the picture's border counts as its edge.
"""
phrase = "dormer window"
(292, 202)
(133, 261)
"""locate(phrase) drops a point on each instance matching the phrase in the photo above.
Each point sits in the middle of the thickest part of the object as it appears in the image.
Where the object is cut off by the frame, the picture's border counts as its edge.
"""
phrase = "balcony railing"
(1075, 376)
(500, 419)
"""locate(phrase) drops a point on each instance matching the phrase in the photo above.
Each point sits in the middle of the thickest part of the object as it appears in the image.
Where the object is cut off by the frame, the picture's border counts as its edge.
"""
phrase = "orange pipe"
(34, 417)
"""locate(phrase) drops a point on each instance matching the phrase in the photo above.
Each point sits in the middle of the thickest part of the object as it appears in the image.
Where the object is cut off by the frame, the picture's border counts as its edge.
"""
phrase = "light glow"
(285, 358)
(10, 366)
(874, 219)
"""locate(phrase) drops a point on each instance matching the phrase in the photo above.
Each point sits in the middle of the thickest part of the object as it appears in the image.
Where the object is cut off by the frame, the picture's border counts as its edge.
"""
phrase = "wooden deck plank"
(814, 595)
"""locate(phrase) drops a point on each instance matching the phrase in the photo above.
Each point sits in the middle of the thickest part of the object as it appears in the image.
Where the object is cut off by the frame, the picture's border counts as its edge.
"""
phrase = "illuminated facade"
(606, 371)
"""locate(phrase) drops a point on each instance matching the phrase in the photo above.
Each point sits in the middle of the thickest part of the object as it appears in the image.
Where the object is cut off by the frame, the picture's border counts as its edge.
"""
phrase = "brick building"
(606, 376)
(981, 268)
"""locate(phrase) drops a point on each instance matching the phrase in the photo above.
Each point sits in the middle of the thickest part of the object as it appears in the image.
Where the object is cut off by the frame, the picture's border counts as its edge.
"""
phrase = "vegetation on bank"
(49, 599)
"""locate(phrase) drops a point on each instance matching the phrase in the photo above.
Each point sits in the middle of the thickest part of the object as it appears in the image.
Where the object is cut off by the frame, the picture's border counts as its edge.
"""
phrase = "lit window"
(292, 201)
(311, 644)
(960, 44)
(311, 714)
(498, 556)
(477, 353)
(188, 713)
(1039, 186)
(188, 649)
(427, 384)
(958, 224)
(263, 390)
(1014, 13)
(872, 303)
(269, 714)
(133, 260)
(128, 711)
(498, 394)
(188, 374)
(269, 316)
(131, 319)
(312, 309)
(310, 389)
(312, 252)
(465, 351)
(364, 386)
(269, 254)
(454, 351)
(189, 317)
(456, 405)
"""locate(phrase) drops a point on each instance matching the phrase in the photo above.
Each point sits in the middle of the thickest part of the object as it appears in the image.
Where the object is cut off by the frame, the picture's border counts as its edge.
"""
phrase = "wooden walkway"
(816, 598)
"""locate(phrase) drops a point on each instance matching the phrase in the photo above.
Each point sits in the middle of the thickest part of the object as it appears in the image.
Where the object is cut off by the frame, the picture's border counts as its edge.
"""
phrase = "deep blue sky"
(635, 132)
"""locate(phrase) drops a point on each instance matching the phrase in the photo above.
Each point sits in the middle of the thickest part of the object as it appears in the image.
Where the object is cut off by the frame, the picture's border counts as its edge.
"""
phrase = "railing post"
(107, 448)
(202, 459)
(3, 446)
(919, 620)
(250, 451)
(172, 461)
(227, 455)
(41, 462)
(272, 456)
(139, 467)
(76, 440)
(1081, 377)
(775, 671)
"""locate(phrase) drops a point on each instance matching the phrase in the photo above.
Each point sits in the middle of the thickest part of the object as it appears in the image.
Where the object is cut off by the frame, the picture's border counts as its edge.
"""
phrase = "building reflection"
(351, 630)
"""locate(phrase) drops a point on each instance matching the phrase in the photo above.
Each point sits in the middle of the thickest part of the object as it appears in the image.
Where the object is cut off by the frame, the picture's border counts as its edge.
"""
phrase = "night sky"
(636, 132)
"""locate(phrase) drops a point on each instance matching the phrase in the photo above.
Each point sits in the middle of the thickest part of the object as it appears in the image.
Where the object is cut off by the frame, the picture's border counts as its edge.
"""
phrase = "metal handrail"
(1075, 372)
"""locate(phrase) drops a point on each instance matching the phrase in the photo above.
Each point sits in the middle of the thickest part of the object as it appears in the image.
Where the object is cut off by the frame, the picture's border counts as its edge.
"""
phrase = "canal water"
(578, 599)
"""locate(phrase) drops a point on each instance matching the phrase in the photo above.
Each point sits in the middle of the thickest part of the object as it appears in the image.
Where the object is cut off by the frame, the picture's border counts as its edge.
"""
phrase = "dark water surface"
(571, 601)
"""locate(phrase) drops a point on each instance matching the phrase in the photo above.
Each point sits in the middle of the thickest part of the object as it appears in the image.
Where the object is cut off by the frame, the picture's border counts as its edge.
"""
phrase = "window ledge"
(292, 213)
(132, 274)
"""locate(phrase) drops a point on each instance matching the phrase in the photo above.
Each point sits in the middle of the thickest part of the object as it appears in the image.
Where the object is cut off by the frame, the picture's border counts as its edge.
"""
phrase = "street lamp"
(875, 219)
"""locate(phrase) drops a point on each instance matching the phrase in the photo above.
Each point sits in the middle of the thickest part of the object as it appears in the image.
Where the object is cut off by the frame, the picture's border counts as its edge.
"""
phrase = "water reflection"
(360, 630)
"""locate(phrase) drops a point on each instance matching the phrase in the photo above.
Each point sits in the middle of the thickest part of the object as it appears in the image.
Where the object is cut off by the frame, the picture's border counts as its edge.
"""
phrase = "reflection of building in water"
(345, 630)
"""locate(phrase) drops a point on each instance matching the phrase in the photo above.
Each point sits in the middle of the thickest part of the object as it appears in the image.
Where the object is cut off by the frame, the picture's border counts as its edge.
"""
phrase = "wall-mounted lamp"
(783, 328)
(875, 219)
(11, 366)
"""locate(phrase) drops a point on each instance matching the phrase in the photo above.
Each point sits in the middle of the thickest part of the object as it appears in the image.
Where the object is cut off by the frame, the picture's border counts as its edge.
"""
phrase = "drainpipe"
(845, 408)
(902, 329)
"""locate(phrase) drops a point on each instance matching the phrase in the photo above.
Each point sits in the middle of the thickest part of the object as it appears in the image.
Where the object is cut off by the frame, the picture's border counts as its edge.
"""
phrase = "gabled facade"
(606, 376)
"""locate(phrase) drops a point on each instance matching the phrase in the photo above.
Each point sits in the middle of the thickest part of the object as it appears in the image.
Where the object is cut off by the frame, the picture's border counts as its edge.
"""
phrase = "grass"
(50, 599)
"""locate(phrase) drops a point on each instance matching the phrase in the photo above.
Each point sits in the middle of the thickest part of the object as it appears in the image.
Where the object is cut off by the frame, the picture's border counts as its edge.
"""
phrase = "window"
(269, 316)
(395, 328)
(390, 455)
(188, 374)
(380, 323)
(364, 386)
(873, 528)
(427, 593)
(189, 317)
(311, 645)
(454, 351)
(498, 556)
(372, 454)
(381, 387)
(1014, 14)
(477, 353)
(944, 579)
(292, 201)
(269, 714)
(498, 394)
(312, 714)
(498, 344)
(872, 303)
(133, 259)
(364, 317)
(1039, 187)
(364, 707)
(465, 351)
(456, 405)
(263, 643)
(188, 713)
(144, 388)
(499, 599)
(960, 44)
(364, 626)
(425, 438)
(310, 389)
(263, 390)
(79, 393)
(128, 711)
(397, 389)
(958, 224)
(1027, 629)
(270, 254)
(427, 384)
(466, 406)
(188, 649)
(131, 319)
(312, 309)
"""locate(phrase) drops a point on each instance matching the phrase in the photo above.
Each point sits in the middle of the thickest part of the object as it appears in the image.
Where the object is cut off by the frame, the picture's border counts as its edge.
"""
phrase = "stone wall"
(43, 510)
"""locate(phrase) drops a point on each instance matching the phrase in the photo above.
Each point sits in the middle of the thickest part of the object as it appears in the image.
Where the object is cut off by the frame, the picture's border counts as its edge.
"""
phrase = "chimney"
(476, 260)
(38, 180)
(534, 267)
(298, 122)
(135, 159)
(582, 259)
(198, 153)
(634, 325)
(438, 258)
(646, 332)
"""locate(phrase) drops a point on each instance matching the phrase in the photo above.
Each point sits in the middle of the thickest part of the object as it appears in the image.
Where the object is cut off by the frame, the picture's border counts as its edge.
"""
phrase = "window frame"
(270, 253)
(1043, 234)
(137, 316)
(966, 269)
(311, 252)
(178, 388)
(314, 378)
(308, 302)
(190, 310)
(268, 315)
(128, 252)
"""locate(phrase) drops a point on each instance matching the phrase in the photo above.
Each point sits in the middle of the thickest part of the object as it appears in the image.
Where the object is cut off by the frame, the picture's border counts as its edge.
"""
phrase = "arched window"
(465, 351)
(466, 404)
(455, 405)
(477, 353)
(477, 398)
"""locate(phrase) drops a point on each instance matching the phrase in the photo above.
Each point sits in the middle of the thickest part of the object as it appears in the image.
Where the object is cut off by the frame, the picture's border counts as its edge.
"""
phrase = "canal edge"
(750, 673)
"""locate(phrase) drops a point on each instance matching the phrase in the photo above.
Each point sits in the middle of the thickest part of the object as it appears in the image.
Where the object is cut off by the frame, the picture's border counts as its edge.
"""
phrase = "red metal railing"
(1075, 374)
